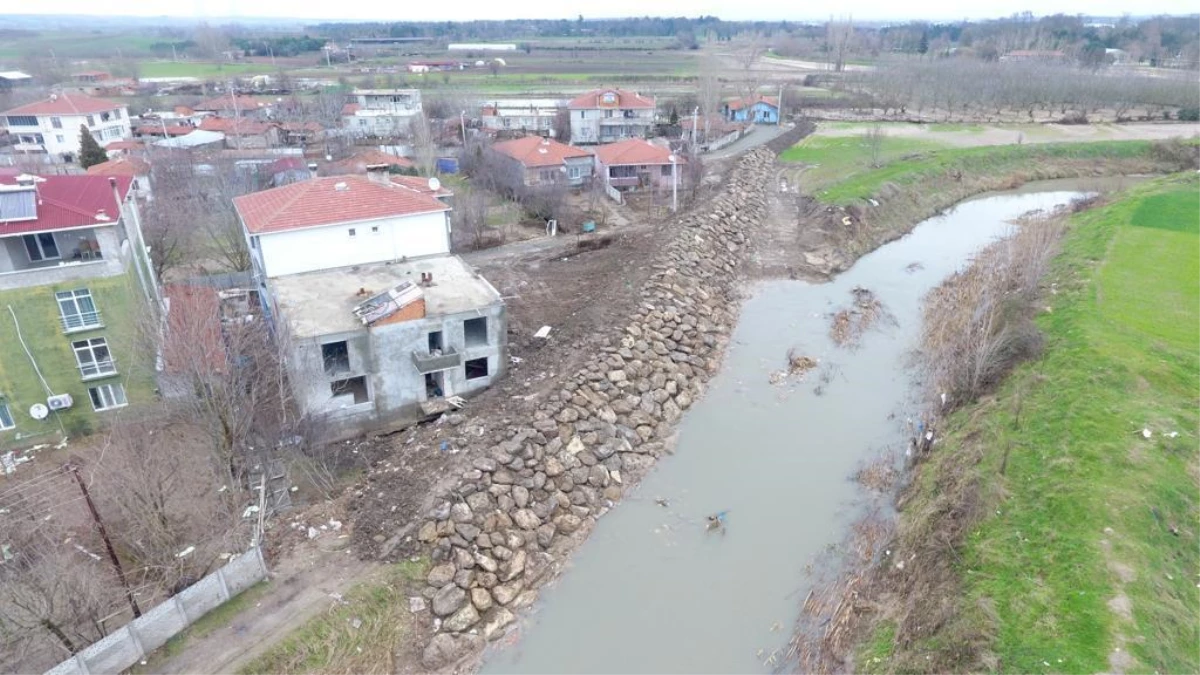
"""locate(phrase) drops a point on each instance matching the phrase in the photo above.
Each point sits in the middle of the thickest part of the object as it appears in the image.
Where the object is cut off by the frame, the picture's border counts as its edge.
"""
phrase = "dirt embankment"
(831, 237)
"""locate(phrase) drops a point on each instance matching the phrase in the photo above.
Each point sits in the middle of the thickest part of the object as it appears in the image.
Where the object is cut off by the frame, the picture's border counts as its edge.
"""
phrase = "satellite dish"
(38, 411)
(434, 183)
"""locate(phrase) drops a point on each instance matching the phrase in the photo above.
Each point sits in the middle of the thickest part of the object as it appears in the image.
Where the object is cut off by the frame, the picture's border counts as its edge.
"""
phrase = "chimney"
(341, 186)
(379, 174)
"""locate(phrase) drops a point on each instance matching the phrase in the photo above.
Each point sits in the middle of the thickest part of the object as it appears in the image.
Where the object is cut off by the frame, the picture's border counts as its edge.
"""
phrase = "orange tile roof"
(235, 127)
(625, 100)
(739, 103)
(534, 151)
(329, 201)
(121, 166)
(421, 184)
(634, 151)
(65, 104)
(125, 145)
(359, 161)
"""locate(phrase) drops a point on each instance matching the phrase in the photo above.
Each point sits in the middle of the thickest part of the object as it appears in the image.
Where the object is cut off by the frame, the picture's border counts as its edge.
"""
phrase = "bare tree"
(874, 139)
(561, 129)
(470, 216)
(423, 143)
(193, 212)
(838, 35)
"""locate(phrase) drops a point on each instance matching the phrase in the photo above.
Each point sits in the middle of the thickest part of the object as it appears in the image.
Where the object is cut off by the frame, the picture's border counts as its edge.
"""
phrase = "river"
(651, 590)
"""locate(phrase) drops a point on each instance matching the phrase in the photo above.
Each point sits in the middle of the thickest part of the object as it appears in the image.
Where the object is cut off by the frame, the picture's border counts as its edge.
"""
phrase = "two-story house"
(52, 125)
(535, 161)
(382, 325)
(520, 116)
(637, 163)
(381, 112)
(608, 115)
(72, 296)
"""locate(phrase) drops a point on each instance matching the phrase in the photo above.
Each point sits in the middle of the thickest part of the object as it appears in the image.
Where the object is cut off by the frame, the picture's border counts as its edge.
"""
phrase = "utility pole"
(695, 123)
(462, 120)
(112, 552)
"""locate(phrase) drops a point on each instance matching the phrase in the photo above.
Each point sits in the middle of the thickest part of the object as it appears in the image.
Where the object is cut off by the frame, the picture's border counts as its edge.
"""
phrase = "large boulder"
(448, 600)
(441, 575)
(463, 619)
(446, 649)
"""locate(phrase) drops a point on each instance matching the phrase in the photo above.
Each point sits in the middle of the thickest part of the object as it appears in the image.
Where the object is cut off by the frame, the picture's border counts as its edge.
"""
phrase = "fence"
(129, 645)
(614, 193)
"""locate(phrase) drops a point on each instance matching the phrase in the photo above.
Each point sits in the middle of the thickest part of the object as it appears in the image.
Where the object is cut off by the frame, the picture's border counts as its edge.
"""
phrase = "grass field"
(359, 635)
(1086, 560)
(836, 187)
(833, 158)
(201, 69)
(77, 45)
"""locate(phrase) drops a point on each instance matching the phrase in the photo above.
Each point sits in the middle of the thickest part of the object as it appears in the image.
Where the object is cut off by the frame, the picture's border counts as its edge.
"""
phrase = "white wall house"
(381, 112)
(610, 115)
(51, 125)
(384, 326)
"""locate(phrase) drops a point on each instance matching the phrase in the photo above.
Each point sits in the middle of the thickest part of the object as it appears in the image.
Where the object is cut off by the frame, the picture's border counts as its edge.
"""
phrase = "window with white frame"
(59, 138)
(574, 171)
(91, 121)
(56, 122)
(6, 418)
(107, 396)
(94, 358)
(77, 310)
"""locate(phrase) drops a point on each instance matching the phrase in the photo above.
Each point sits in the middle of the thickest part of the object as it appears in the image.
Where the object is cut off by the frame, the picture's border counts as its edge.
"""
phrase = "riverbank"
(859, 211)
(1053, 527)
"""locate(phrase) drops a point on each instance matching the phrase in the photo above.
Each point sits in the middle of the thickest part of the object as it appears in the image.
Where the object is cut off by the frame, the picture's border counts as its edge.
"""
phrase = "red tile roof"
(125, 145)
(634, 151)
(421, 184)
(303, 126)
(65, 104)
(66, 202)
(359, 161)
(235, 127)
(535, 151)
(739, 103)
(328, 201)
(193, 345)
(625, 100)
(121, 166)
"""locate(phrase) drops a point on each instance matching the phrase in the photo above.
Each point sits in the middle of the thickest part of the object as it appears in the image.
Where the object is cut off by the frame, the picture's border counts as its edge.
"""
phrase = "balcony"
(81, 321)
(430, 362)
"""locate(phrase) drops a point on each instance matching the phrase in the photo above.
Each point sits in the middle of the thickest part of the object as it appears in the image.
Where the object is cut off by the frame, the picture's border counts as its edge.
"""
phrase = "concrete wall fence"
(131, 643)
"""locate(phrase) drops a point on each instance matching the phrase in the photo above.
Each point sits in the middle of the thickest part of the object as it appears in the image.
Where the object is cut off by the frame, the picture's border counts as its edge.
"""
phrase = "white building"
(521, 115)
(384, 326)
(51, 125)
(381, 112)
(481, 47)
(610, 115)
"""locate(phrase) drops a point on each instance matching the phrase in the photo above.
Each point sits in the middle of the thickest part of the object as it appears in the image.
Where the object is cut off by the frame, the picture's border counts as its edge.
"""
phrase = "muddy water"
(651, 590)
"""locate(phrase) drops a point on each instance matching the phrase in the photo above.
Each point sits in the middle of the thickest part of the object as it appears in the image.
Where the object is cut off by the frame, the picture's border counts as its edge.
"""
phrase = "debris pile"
(849, 324)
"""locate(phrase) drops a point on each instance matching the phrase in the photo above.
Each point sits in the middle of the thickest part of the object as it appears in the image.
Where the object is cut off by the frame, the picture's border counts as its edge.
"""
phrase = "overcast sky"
(425, 10)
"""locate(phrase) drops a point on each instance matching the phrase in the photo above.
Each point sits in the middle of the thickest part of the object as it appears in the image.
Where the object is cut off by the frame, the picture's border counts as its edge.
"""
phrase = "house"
(426, 186)
(135, 168)
(161, 130)
(366, 160)
(197, 138)
(286, 170)
(709, 128)
(637, 163)
(535, 161)
(72, 299)
(52, 124)
(238, 105)
(123, 148)
(521, 116)
(758, 109)
(11, 79)
(381, 112)
(244, 134)
(383, 326)
(301, 133)
(608, 115)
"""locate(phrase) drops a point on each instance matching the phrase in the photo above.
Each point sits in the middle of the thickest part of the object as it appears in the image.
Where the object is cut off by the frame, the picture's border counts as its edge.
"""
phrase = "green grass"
(832, 158)
(1122, 354)
(873, 655)
(359, 635)
(201, 69)
(118, 300)
(77, 45)
(848, 186)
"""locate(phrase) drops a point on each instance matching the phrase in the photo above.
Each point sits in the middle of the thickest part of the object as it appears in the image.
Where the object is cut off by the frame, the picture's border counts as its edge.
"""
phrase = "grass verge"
(832, 158)
(1050, 534)
(362, 634)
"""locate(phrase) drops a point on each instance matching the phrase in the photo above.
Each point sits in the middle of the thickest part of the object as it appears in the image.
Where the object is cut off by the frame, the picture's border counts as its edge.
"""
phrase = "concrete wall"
(383, 354)
(330, 247)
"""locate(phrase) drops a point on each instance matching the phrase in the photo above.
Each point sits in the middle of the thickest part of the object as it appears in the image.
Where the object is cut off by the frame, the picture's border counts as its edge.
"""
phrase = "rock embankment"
(527, 501)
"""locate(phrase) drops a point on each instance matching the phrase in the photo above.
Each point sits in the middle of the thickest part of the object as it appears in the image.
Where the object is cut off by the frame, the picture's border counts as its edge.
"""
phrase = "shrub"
(1191, 114)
